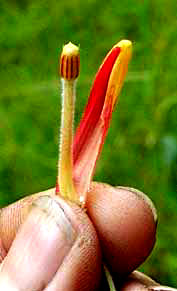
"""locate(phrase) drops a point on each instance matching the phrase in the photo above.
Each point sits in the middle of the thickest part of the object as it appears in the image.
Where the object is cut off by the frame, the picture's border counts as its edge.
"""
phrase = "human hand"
(57, 247)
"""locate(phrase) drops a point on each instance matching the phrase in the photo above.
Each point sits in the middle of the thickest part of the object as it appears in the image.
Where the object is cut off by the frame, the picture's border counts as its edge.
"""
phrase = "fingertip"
(143, 197)
(126, 225)
(13, 215)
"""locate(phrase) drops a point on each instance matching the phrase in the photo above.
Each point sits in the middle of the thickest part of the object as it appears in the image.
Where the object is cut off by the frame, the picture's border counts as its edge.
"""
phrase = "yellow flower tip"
(125, 49)
(119, 71)
(124, 43)
(70, 62)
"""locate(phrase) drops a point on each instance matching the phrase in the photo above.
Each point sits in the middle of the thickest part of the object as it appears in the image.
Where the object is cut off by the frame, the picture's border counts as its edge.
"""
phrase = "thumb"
(55, 248)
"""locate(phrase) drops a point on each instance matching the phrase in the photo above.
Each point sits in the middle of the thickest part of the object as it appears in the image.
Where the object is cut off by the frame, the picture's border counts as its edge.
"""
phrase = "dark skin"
(56, 245)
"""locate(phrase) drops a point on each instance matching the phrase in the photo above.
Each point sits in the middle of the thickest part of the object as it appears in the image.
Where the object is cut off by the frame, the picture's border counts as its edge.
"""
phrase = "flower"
(82, 152)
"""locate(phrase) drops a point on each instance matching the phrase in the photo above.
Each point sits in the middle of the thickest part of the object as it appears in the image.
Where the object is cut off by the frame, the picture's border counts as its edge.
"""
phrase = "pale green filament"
(65, 178)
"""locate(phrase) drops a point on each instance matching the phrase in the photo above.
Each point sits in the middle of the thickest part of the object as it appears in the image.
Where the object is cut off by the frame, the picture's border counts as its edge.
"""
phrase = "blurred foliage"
(141, 147)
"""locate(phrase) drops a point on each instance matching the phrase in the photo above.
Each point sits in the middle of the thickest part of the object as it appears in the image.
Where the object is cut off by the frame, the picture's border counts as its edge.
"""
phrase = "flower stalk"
(69, 71)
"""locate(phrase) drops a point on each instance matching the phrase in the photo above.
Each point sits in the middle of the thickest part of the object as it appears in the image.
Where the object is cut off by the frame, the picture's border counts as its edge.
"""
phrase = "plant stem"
(109, 279)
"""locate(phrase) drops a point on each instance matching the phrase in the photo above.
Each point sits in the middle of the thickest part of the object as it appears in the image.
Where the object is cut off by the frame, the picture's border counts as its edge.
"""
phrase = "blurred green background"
(141, 147)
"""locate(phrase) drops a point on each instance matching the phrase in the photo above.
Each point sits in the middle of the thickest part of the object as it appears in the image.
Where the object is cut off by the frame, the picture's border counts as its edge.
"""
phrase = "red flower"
(91, 132)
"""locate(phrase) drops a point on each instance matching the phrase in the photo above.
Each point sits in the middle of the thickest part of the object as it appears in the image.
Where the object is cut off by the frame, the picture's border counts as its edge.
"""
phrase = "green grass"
(141, 148)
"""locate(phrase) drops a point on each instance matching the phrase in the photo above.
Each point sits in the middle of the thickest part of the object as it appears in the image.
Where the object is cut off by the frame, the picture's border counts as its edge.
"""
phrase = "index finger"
(125, 220)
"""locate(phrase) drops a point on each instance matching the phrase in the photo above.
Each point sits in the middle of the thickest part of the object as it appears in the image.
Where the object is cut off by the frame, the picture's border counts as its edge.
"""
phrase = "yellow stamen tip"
(70, 49)
(70, 62)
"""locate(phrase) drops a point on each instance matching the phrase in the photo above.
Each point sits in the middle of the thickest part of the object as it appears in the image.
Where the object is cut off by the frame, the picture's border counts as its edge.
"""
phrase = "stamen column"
(69, 71)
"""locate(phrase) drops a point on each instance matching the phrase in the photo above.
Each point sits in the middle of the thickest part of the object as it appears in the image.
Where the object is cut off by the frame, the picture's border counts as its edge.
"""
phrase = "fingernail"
(2, 251)
(161, 288)
(143, 196)
(52, 212)
(143, 279)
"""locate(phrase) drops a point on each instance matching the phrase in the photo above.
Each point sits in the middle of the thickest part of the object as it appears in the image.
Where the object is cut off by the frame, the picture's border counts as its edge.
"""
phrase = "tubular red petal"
(94, 124)
(95, 102)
